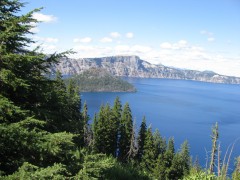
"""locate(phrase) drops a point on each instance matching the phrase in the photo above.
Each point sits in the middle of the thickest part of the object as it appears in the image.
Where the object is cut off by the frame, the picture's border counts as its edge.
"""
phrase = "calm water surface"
(186, 110)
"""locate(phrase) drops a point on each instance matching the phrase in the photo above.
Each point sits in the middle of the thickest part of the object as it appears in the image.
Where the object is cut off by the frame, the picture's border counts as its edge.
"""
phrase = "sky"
(189, 34)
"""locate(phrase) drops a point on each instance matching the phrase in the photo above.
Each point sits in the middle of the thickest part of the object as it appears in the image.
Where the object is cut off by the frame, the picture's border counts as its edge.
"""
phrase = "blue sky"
(200, 35)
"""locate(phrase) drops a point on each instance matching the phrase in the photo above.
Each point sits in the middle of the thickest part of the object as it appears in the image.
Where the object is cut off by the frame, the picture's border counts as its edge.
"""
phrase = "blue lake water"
(186, 110)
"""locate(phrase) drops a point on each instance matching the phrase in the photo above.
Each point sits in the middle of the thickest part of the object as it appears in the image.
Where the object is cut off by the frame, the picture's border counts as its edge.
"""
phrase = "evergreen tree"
(163, 169)
(104, 131)
(159, 143)
(73, 108)
(170, 146)
(116, 115)
(86, 127)
(169, 154)
(148, 158)
(180, 165)
(99, 131)
(185, 157)
(141, 139)
(110, 131)
(133, 145)
(25, 96)
(175, 172)
(22, 74)
(160, 170)
(55, 114)
(126, 130)
(27, 141)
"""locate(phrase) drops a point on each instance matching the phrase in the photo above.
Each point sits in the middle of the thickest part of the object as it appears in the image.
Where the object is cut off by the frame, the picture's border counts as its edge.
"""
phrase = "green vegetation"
(45, 133)
(99, 80)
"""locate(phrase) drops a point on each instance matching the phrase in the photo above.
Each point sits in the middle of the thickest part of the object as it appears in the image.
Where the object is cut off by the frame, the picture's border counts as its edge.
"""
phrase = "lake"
(186, 110)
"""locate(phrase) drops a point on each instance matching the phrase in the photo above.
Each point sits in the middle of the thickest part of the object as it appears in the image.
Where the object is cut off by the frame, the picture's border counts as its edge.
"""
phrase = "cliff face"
(133, 66)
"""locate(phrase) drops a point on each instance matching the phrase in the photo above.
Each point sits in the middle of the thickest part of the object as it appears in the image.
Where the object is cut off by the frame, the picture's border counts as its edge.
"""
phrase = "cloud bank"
(44, 18)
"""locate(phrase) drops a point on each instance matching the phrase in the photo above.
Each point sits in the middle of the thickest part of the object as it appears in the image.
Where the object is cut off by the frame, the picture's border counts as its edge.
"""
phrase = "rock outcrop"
(133, 66)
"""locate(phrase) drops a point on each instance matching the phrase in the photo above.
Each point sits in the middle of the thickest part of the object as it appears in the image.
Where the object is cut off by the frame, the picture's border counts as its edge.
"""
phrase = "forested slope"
(99, 80)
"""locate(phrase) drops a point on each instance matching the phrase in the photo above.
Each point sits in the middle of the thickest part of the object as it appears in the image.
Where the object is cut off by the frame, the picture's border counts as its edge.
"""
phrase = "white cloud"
(204, 32)
(210, 35)
(91, 51)
(122, 49)
(166, 45)
(51, 40)
(76, 40)
(47, 45)
(129, 35)
(49, 48)
(180, 54)
(211, 39)
(46, 39)
(182, 42)
(115, 34)
(106, 40)
(84, 48)
(44, 18)
(34, 28)
(140, 49)
(45, 48)
(83, 40)
(175, 46)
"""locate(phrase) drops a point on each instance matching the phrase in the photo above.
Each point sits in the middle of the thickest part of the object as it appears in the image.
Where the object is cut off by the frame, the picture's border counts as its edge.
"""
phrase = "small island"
(100, 80)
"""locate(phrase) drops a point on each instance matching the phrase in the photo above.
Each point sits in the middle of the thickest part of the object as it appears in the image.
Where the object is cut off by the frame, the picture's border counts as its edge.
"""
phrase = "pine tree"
(185, 157)
(116, 115)
(160, 170)
(176, 170)
(22, 78)
(141, 139)
(170, 146)
(86, 127)
(73, 116)
(126, 130)
(164, 168)
(110, 131)
(159, 143)
(180, 165)
(104, 131)
(99, 131)
(94, 133)
(25, 93)
(133, 145)
(148, 158)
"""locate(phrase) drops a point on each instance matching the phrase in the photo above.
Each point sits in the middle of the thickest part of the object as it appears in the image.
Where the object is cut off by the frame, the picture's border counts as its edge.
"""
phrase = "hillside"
(99, 80)
(133, 66)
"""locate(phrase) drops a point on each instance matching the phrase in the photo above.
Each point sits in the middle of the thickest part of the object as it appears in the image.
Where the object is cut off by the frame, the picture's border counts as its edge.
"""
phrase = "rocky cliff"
(133, 66)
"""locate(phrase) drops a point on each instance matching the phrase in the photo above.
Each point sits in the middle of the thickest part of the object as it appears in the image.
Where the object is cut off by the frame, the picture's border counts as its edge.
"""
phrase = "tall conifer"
(25, 93)
(141, 139)
(99, 131)
(126, 130)
(86, 128)
(159, 143)
(116, 121)
(149, 153)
